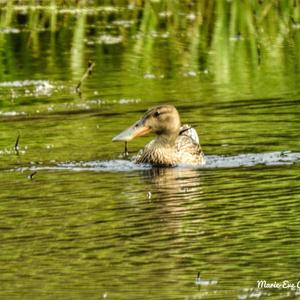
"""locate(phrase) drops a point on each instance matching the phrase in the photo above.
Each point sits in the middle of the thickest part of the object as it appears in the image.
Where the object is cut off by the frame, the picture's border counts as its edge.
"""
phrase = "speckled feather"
(187, 150)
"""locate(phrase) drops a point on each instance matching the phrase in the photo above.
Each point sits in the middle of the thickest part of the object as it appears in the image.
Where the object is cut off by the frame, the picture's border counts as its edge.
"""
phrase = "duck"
(175, 144)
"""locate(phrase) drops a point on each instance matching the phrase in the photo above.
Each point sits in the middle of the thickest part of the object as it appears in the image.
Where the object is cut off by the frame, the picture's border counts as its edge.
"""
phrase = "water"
(78, 220)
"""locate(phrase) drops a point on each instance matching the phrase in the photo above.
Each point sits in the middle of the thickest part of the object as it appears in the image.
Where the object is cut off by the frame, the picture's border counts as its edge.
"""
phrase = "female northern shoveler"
(174, 144)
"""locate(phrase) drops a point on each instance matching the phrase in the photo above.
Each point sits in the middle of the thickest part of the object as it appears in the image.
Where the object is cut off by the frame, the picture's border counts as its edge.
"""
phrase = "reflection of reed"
(240, 34)
(173, 181)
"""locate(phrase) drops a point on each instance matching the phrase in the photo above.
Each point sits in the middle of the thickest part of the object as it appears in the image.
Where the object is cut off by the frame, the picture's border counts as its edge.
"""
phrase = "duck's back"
(187, 150)
(188, 146)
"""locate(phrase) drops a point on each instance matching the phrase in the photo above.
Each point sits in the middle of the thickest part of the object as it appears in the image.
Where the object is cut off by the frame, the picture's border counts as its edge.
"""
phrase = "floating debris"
(17, 144)
(296, 26)
(128, 101)
(30, 177)
(149, 76)
(32, 88)
(191, 17)
(163, 35)
(12, 113)
(124, 23)
(236, 38)
(109, 39)
(204, 282)
(190, 74)
(165, 14)
(22, 83)
(197, 278)
(10, 30)
(91, 10)
(126, 150)
(43, 89)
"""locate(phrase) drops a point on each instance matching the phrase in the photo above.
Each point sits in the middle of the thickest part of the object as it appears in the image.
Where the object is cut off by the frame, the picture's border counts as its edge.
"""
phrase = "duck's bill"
(131, 132)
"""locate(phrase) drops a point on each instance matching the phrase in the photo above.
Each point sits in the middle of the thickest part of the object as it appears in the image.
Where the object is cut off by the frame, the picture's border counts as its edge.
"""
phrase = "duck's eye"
(156, 114)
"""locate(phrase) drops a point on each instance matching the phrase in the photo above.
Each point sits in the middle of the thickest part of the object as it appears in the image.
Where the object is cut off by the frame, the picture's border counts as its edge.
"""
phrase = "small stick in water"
(17, 144)
(258, 53)
(126, 150)
(87, 73)
(31, 175)
(198, 280)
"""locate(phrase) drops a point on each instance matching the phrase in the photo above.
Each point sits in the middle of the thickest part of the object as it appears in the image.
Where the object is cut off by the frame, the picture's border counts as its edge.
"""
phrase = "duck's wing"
(187, 130)
(188, 146)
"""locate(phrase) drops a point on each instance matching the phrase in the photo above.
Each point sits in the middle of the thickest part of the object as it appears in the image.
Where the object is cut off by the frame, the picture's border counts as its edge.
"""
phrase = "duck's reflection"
(173, 181)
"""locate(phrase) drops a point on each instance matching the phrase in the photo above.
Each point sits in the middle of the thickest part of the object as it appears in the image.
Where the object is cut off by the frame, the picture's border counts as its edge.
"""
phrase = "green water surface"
(91, 225)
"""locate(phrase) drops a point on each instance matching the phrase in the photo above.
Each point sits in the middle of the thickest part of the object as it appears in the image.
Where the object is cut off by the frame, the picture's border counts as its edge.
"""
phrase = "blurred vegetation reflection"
(221, 41)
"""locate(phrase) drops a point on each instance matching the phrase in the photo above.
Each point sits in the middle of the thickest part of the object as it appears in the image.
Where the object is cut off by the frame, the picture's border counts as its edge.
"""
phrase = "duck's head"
(162, 120)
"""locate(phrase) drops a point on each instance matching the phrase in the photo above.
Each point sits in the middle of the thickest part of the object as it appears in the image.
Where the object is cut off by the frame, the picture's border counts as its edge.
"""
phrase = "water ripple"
(252, 159)
(212, 162)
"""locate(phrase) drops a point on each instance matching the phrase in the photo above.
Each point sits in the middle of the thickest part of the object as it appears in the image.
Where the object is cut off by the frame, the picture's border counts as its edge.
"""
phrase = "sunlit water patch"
(109, 39)
(8, 152)
(24, 83)
(33, 88)
(11, 113)
(25, 9)
(10, 30)
(91, 11)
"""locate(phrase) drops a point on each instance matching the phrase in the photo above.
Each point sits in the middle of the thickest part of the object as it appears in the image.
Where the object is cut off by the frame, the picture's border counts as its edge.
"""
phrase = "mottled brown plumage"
(174, 144)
